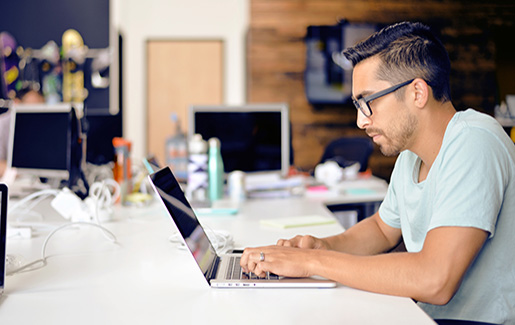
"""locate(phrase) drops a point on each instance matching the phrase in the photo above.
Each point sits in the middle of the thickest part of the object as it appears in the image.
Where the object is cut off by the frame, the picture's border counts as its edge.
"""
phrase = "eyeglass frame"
(367, 99)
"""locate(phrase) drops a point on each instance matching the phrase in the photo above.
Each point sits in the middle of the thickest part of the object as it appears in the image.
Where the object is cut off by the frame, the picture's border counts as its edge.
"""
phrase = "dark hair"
(20, 94)
(407, 50)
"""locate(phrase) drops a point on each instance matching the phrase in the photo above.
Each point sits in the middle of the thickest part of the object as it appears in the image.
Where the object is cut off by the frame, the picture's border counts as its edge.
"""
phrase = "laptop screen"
(3, 230)
(180, 210)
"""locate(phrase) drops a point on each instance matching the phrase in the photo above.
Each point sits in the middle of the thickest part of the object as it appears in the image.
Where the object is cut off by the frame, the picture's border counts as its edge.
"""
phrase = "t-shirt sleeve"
(470, 184)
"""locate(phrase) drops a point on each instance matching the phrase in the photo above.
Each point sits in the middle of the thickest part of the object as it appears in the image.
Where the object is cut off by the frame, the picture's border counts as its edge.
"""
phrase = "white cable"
(26, 199)
(107, 191)
(26, 210)
(221, 240)
(102, 197)
(37, 200)
(43, 259)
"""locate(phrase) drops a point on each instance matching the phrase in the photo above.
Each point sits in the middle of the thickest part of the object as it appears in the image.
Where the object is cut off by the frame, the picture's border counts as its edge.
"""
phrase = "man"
(451, 197)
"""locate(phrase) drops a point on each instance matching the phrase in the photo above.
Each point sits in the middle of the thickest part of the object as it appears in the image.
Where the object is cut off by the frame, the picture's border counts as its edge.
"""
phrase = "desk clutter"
(213, 194)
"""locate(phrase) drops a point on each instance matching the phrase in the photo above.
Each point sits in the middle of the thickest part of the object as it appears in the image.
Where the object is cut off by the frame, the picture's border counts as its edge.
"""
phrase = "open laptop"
(3, 233)
(221, 271)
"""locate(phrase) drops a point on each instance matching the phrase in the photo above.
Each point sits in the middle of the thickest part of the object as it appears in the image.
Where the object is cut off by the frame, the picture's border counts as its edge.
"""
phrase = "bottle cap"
(214, 143)
(197, 144)
(121, 142)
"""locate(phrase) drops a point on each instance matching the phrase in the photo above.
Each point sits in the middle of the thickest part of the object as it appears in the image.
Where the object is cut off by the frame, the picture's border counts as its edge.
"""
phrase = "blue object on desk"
(360, 191)
(216, 211)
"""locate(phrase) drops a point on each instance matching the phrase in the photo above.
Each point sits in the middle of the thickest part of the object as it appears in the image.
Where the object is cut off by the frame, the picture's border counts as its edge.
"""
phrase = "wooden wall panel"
(276, 57)
(180, 74)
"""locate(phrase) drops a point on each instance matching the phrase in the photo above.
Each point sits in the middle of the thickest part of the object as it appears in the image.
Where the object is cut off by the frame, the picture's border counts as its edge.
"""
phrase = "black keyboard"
(235, 272)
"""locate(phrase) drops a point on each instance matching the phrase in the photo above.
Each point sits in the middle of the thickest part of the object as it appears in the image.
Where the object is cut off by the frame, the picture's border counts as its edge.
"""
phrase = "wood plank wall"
(276, 57)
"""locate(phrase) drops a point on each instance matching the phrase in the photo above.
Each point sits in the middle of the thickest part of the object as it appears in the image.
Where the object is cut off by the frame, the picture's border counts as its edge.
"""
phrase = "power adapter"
(96, 207)
(70, 206)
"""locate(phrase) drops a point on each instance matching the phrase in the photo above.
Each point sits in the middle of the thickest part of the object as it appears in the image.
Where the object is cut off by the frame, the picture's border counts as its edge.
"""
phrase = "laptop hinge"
(211, 273)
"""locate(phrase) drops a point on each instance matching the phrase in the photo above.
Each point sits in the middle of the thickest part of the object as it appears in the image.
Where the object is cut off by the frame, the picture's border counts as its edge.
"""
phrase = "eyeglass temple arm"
(387, 90)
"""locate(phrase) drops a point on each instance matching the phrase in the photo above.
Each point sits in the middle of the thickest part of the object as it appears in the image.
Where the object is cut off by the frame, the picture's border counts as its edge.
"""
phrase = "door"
(180, 73)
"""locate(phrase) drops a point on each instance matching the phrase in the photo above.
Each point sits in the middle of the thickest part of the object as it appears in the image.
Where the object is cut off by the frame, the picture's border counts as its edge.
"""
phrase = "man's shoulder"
(477, 129)
(477, 139)
(474, 120)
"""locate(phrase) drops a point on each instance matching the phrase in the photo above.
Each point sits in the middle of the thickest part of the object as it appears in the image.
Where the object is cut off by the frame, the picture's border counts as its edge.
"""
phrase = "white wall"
(140, 21)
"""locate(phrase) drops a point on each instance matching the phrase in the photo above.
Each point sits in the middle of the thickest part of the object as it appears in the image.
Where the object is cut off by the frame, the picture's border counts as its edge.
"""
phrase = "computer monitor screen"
(254, 138)
(40, 140)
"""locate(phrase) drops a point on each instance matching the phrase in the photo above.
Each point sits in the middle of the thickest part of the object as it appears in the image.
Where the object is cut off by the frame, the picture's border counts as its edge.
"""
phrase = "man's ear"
(422, 91)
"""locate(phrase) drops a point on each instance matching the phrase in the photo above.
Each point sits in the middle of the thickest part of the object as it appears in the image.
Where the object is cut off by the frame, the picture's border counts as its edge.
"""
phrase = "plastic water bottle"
(215, 170)
(196, 189)
(236, 186)
(177, 151)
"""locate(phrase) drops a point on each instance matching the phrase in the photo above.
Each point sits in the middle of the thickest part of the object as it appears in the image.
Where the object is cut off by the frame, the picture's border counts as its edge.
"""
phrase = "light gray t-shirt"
(470, 184)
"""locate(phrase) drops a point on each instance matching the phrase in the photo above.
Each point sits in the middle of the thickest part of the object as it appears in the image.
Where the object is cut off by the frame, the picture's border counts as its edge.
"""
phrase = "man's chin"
(388, 151)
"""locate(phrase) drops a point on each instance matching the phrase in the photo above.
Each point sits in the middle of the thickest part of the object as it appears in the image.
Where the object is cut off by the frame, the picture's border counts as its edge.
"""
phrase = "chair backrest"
(348, 150)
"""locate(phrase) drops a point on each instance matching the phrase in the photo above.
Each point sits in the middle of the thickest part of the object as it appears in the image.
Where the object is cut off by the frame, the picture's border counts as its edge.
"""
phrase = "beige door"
(179, 74)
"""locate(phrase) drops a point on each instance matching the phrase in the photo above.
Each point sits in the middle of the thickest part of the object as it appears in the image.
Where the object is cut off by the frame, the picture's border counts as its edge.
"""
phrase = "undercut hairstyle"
(407, 50)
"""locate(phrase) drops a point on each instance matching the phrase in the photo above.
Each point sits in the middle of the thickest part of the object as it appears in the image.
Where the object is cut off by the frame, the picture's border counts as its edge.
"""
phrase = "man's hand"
(307, 241)
(280, 260)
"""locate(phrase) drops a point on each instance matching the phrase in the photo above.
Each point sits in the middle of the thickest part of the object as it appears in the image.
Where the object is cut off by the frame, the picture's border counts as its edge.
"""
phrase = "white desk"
(147, 280)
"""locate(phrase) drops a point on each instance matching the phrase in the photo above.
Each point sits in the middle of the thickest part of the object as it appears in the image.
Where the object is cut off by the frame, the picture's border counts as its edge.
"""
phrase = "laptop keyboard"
(235, 272)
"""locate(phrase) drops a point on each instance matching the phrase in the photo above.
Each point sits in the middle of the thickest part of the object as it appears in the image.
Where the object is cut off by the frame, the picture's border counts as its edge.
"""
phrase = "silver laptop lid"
(180, 211)
(3, 233)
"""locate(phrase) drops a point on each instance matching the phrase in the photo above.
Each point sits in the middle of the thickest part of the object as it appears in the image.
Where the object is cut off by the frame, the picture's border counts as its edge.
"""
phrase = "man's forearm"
(400, 274)
(432, 275)
(364, 238)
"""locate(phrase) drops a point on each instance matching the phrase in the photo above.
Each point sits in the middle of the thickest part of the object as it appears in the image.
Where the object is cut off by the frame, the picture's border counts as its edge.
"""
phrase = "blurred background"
(166, 55)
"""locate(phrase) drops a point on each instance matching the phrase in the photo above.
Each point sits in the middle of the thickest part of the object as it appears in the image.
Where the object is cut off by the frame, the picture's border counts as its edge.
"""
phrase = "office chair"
(348, 150)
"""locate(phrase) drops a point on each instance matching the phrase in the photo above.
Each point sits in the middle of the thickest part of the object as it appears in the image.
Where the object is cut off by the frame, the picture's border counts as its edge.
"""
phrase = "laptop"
(220, 271)
(3, 233)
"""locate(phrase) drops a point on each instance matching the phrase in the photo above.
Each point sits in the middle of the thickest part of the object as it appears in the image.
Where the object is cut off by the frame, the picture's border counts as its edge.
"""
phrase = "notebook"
(220, 271)
(3, 233)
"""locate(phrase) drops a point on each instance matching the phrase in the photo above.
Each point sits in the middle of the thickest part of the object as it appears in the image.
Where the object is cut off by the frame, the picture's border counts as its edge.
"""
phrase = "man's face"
(391, 125)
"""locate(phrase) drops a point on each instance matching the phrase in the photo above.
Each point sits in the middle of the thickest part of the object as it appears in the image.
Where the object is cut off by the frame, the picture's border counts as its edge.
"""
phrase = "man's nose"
(362, 121)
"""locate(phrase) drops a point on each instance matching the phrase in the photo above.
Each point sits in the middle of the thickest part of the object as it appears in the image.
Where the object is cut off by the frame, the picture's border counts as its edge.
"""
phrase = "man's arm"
(432, 275)
(369, 237)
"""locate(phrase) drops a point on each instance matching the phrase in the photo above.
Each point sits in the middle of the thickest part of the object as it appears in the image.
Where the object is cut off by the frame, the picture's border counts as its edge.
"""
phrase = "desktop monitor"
(254, 138)
(40, 140)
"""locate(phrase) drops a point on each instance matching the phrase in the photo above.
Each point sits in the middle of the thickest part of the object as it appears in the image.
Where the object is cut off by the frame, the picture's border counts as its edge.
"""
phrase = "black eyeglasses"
(361, 103)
